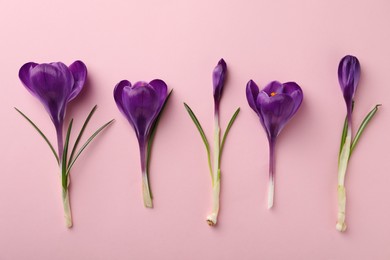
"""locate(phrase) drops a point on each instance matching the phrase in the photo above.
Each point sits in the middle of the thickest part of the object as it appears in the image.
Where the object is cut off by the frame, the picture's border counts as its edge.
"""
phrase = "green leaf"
(40, 132)
(362, 126)
(81, 132)
(153, 132)
(86, 144)
(344, 134)
(202, 134)
(345, 130)
(227, 131)
(65, 156)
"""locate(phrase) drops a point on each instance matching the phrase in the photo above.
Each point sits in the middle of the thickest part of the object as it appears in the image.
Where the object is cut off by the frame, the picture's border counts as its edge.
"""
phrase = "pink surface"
(180, 42)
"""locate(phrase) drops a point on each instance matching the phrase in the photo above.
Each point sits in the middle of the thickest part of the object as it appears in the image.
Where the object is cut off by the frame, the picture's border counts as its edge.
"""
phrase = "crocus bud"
(219, 75)
(349, 74)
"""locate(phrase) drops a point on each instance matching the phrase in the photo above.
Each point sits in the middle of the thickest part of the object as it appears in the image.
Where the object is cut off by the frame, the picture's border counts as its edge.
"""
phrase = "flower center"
(273, 94)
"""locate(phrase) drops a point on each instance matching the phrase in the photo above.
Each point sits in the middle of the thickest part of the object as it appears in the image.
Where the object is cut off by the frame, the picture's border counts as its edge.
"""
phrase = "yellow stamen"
(273, 94)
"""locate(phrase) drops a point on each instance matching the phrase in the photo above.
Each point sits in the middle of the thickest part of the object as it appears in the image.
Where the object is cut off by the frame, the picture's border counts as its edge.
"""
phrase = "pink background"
(180, 42)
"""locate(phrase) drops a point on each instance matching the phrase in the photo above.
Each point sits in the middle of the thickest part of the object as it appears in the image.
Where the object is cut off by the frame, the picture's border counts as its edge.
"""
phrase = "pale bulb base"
(271, 192)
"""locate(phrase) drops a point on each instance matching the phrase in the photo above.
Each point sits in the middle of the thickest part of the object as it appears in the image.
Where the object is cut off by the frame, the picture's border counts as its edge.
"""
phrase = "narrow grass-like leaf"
(40, 132)
(86, 144)
(344, 134)
(202, 134)
(345, 130)
(65, 156)
(362, 126)
(81, 132)
(153, 132)
(227, 130)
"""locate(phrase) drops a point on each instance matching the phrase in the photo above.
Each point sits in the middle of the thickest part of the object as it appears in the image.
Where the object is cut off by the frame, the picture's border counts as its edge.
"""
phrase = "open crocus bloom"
(55, 85)
(141, 104)
(275, 105)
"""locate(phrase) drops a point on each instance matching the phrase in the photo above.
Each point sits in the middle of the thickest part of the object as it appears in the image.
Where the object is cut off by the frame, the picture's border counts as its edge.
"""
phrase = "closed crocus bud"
(219, 76)
(349, 74)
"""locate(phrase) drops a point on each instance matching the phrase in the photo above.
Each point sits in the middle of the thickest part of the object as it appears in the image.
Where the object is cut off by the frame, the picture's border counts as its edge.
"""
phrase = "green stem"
(145, 181)
(344, 156)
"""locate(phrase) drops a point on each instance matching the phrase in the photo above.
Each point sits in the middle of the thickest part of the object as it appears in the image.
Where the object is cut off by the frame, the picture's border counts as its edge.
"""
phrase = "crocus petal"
(349, 74)
(252, 90)
(219, 75)
(118, 91)
(141, 103)
(162, 90)
(273, 87)
(24, 75)
(276, 111)
(52, 84)
(295, 92)
(79, 71)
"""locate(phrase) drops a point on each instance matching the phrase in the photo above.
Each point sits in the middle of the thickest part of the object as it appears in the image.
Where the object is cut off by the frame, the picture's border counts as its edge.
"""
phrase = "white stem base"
(271, 192)
(341, 196)
(212, 218)
(341, 226)
(67, 210)
(146, 192)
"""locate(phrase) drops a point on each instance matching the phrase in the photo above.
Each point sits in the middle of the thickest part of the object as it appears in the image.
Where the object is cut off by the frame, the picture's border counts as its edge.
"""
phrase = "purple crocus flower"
(275, 105)
(141, 104)
(349, 74)
(219, 76)
(55, 85)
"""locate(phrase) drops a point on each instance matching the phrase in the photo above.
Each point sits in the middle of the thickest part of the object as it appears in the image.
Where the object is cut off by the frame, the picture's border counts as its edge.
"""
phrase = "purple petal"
(276, 111)
(161, 89)
(118, 91)
(295, 92)
(219, 76)
(349, 74)
(252, 91)
(52, 84)
(141, 104)
(24, 75)
(273, 87)
(79, 71)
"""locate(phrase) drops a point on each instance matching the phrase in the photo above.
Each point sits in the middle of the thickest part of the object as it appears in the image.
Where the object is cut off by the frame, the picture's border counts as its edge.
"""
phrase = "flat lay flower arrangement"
(142, 104)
